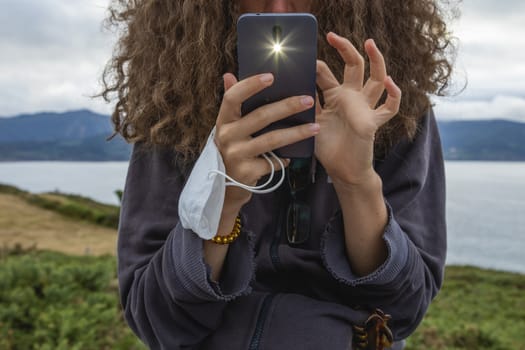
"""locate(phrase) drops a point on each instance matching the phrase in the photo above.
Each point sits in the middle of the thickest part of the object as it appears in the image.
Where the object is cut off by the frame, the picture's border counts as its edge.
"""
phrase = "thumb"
(229, 80)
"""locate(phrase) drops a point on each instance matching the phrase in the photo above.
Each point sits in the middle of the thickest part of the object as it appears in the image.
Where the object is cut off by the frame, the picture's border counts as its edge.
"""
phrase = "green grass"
(476, 309)
(69, 205)
(53, 301)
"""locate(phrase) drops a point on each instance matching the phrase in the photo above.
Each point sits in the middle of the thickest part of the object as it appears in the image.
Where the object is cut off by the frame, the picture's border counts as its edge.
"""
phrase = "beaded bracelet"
(232, 236)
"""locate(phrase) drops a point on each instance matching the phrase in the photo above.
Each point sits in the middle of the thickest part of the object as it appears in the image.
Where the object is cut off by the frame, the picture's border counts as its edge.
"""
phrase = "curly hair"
(166, 70)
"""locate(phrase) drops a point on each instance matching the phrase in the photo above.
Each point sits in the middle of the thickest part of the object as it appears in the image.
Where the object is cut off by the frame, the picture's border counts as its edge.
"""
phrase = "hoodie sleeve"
(414, 191)
(166, 291)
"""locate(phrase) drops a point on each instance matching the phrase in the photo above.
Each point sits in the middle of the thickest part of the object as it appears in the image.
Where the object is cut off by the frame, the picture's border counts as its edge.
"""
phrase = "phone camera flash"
(277, 47)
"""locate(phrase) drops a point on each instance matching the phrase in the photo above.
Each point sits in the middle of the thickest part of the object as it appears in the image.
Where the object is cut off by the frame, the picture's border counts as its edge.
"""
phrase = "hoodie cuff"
(335, 260)
(194, 275)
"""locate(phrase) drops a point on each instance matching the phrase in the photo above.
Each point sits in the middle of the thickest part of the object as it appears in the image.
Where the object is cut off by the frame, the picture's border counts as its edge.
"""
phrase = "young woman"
(374, 234)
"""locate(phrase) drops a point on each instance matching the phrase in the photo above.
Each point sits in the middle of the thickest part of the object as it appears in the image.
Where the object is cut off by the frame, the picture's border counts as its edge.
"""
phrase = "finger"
(354, 62)
(279, 138)
(265, 167)
(377, 61)
(374, 86)
(391, 106)
(325, 78)
(318, 108)
(250, 171)
(267, 114)
(230, 109)
(229, 80)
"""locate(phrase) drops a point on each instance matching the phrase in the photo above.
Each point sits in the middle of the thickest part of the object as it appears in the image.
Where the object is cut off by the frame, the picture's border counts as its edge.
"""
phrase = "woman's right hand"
(240, 151)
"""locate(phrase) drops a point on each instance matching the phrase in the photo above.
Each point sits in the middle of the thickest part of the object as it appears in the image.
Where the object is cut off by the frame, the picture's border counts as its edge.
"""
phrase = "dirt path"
(26, 225)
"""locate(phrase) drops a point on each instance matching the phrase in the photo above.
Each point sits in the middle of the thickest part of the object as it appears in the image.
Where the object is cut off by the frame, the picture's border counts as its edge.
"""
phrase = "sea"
(485, 203)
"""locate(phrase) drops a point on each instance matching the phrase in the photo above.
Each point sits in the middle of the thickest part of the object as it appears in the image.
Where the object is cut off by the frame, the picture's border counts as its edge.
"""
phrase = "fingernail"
(315, 127)
(266, 78)
(307, 101)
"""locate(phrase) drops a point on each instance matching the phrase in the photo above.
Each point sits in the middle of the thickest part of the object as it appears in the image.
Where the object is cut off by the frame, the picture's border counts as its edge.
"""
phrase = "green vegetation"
(55, 301)
(69, 205)
(476, 309)
(49, 300)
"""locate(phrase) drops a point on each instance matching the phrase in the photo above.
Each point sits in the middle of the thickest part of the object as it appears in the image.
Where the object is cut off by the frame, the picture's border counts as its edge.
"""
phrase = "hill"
(483, 140)
(56, 221)
(40, 127)
(94, 148)
(77, 135)
(81, 136)
(51, 299)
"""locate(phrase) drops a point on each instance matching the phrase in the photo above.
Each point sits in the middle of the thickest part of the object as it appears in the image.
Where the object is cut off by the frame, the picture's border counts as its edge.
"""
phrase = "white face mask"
(202, 198)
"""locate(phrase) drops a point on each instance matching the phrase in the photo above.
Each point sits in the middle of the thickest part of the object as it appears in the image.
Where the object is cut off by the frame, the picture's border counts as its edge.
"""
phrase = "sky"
(52, 53)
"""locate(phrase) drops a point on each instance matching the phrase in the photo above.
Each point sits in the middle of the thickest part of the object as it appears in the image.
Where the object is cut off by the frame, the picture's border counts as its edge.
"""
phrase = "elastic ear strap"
(256, 189)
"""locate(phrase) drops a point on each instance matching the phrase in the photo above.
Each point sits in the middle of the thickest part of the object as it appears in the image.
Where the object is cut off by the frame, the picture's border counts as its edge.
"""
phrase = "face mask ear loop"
(232, 181)
(281, 180)
(256, 189)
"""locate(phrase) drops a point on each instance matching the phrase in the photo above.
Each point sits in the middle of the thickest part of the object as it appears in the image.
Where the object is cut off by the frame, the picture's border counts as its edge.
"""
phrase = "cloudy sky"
(53, 53)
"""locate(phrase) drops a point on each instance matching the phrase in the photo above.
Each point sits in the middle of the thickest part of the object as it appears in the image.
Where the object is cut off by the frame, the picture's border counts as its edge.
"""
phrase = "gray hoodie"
(272, 295)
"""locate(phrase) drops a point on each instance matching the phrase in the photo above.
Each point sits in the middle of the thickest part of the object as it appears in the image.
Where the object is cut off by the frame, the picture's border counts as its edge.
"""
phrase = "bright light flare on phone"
(279, 47)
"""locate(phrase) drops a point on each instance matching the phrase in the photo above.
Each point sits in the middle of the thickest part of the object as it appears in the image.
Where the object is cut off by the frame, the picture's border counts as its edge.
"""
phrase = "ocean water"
(97, 180)
(486, 214)
(485, 202)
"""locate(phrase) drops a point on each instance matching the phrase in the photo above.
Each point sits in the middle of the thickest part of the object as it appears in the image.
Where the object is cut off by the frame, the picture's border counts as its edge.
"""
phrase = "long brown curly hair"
(166, 70)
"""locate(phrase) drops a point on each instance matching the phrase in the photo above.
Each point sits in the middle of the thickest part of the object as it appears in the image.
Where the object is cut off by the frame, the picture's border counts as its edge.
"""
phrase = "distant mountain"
(81, 135)
(54, 126)
(483, 140)
(94, 148)
(77, 135)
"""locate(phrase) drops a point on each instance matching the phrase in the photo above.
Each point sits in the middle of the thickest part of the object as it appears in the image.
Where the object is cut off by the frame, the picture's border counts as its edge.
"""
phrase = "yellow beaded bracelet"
(232, 236)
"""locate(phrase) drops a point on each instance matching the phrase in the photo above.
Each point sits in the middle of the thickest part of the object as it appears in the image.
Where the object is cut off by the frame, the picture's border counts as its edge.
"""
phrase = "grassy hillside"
(72, 206)
(476, 309)
(50, 300)
(66, 302)
(54, 301)
(64, 223)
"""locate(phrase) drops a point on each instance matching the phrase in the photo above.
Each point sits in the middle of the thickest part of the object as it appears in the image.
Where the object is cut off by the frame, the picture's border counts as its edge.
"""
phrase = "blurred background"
(61, 181)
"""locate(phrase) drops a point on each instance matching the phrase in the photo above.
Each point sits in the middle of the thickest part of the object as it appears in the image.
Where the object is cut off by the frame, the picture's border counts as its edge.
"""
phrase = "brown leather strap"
(375, 334)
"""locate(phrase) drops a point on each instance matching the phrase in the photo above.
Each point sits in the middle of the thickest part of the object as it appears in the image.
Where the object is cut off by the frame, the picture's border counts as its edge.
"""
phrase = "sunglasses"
(298, 213)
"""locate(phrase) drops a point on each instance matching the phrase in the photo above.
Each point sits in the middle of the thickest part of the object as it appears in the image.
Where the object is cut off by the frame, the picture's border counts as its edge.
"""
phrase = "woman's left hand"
(349, 119)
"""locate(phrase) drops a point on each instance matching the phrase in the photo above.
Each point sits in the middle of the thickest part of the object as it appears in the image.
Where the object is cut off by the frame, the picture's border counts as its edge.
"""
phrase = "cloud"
(499, 107)
(53, 54)
(54, 51)
(491, 8)
(491, 46)
(59, 23)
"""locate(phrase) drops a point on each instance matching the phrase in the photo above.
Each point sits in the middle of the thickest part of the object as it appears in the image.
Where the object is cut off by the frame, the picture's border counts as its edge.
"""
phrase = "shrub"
(53, 301)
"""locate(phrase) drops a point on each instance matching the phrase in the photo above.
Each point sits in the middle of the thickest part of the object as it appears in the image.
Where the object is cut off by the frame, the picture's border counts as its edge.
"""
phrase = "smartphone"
(284, 44)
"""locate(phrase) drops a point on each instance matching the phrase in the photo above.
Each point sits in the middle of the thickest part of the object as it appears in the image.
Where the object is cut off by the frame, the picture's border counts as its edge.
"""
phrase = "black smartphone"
(284, 44)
